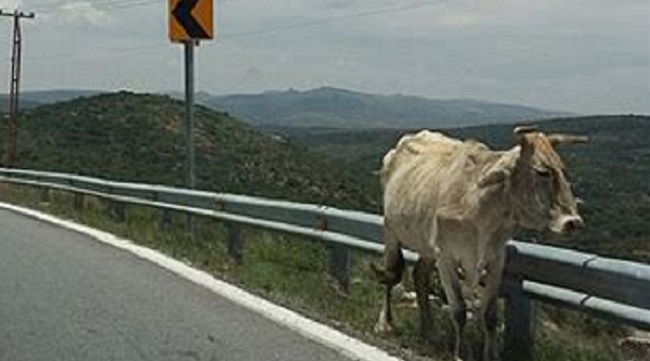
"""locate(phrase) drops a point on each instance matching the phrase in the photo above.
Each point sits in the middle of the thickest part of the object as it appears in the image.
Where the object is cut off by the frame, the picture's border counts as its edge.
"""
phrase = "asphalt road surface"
(64, 296)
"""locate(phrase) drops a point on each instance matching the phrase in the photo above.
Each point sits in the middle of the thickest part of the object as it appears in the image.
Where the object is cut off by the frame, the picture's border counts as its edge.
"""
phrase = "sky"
(582, 56)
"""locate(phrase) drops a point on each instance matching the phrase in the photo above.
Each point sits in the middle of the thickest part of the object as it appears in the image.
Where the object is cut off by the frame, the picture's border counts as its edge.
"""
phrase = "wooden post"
(235, 242)
(518, 338)
(339, 265)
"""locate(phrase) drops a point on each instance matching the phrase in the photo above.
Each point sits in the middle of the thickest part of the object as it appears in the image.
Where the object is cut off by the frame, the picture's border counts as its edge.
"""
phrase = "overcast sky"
(585, 56)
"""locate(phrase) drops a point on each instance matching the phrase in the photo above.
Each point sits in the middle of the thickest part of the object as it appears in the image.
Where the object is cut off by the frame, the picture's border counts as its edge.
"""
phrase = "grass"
(292, 271)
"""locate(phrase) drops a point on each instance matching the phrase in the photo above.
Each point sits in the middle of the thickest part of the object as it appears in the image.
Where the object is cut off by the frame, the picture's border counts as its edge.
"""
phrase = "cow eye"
(543, 172)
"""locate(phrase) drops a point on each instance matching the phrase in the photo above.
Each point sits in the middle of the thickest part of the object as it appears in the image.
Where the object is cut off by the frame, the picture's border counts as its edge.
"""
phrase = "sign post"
(189, 116)
(189, 22)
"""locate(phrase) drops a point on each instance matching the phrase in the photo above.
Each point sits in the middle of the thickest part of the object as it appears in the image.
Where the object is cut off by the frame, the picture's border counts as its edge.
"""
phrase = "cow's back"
(413, 174)
(414, 148)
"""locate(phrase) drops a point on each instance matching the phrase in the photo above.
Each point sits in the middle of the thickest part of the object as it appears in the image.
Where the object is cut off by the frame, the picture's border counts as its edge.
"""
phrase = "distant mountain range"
(328, 107)
(338, 108)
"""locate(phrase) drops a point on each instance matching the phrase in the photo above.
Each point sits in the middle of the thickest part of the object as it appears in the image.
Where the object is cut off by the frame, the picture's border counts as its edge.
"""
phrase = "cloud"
(10, 4)
(82, 12)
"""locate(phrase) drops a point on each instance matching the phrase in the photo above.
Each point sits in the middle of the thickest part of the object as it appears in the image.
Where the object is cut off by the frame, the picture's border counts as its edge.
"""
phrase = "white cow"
(456, 204)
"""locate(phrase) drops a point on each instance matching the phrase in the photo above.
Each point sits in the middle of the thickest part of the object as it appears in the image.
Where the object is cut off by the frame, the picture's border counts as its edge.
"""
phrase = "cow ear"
(500, 172)
(556, 139)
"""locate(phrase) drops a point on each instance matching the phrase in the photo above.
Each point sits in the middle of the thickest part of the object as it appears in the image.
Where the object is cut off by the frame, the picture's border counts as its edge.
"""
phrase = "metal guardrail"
(610, 288)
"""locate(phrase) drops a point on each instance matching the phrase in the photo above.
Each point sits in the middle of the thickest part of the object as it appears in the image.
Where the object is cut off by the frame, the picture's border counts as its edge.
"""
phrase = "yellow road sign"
(190, 20)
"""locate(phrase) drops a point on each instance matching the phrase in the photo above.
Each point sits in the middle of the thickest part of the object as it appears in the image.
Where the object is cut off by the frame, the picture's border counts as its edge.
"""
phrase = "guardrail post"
(518, 338)
(167, 220)
(339, 265)
(118, 211)
(45, 195)
(78, 201)
(235, 242)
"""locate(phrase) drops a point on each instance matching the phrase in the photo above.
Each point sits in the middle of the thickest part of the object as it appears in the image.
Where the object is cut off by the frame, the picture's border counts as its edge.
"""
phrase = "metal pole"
(339, 266)
(189, 123)
(235, 243)
(519, 319)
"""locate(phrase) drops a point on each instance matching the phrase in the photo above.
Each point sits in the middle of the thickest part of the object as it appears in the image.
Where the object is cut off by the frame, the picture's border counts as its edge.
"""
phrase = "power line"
(334, 18)
(106, 5)
(245, 34)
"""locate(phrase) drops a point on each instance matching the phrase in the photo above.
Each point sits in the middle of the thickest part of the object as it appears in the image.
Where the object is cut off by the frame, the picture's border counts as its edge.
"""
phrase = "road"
(65, 296)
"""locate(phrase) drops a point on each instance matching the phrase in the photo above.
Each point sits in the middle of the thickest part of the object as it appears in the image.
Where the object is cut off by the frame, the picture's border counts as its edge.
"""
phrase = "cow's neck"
(521, 193)
(495, 216)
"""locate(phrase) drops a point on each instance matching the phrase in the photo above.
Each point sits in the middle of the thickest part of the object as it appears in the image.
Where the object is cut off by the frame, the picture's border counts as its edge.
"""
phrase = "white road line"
(351, 347)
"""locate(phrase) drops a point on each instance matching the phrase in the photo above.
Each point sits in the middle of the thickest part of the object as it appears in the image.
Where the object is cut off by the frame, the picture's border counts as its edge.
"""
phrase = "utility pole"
(9, 156)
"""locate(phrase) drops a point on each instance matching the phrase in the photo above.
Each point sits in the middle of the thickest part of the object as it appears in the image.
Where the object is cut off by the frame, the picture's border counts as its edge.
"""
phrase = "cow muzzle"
(568, 225)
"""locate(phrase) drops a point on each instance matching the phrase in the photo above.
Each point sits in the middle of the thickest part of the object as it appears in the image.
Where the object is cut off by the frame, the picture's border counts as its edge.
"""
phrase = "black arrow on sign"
(183, 13)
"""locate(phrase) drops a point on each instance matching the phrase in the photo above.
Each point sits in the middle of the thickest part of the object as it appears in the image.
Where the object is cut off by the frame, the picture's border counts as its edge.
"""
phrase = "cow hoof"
(384, 328)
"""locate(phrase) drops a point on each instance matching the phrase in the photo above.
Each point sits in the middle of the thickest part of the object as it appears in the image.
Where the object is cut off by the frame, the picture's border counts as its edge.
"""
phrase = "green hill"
(34, 98)
(24, 104)
(140, 138)
(611, 172)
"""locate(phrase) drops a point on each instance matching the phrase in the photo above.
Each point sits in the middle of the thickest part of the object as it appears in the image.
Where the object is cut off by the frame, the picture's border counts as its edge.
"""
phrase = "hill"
(140, 138)
(34, 98)
(55, 96)
(332, 107)
(610, 172)
(24, 104)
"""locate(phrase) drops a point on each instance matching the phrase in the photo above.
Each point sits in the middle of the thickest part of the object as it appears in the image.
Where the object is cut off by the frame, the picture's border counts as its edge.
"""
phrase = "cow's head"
(541, 194)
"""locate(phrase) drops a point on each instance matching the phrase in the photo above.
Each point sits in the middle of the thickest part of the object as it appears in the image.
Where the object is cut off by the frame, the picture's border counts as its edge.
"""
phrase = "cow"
(456, 203)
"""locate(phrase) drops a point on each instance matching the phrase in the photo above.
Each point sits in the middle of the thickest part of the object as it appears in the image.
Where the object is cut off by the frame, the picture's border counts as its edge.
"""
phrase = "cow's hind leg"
(389, 276)
(457, 309)
(459, 319)
(421, 273)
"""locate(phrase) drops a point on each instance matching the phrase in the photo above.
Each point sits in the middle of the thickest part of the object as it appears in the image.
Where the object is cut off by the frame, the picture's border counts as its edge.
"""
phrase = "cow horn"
(556, 139)
(524, 129)
(521, 130)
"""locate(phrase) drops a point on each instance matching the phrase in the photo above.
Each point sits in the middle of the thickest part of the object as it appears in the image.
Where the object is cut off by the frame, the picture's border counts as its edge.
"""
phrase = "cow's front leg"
(462, 347)
(490, 324)
(389, 276)
(421, 273)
